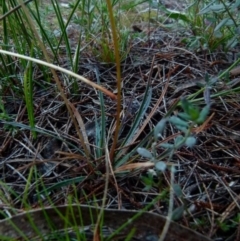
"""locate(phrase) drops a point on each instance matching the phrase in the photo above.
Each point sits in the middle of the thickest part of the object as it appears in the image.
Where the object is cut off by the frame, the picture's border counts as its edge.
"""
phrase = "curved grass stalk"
(119, 88)
(68, 72)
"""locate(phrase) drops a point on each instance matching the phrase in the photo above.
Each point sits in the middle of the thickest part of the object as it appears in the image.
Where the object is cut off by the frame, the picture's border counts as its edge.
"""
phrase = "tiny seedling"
(184, 122)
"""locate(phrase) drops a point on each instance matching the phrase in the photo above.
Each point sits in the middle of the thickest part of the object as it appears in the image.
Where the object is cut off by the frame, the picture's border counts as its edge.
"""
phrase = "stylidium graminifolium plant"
(184, 122)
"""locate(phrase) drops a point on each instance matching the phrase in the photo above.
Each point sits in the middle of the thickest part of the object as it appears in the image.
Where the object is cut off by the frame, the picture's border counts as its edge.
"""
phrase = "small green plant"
(213, 24)
(104, 48)
(199, 223)
(92, 16)
(227, 225)
(184, 121)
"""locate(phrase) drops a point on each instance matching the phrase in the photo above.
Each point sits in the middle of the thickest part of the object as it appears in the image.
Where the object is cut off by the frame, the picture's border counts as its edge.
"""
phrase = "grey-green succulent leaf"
(161, 166)
(190, 141)
(167, 145)
(144, 152)
(203, 114)
(159, 128)
(177, 213)
(177, 121)
(177, 190)
(172, 169)
(182, 128)
(178, 140)
(184, 116)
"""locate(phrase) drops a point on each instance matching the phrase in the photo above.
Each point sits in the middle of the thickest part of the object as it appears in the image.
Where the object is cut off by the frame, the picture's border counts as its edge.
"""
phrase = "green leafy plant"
(213, 24)
(184, 122)
(227, 225)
